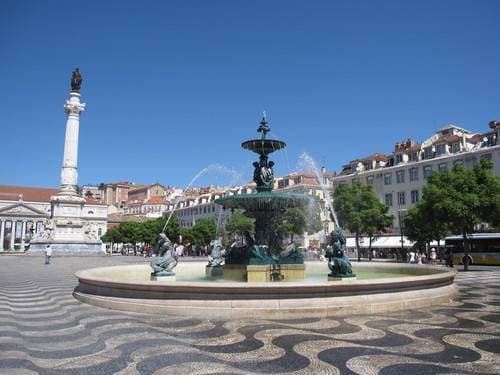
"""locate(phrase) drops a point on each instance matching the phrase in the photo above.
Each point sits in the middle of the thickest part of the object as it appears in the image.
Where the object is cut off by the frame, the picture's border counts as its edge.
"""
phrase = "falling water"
(235, 178)
(306, 162)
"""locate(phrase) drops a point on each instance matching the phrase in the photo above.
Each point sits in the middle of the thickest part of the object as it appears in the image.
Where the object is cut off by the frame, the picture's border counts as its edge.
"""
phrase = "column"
(2, 230)
(69, 174)
(12, 235)
(23, 234)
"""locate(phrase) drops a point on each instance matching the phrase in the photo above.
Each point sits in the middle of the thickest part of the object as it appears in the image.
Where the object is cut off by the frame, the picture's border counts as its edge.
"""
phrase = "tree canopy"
(456, 201)
(359, 211)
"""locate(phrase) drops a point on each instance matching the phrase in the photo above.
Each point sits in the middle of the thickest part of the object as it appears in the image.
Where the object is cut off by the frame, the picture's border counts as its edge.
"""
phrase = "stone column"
(12, 235)
(23, 230)
(2, 230)
(69, 173)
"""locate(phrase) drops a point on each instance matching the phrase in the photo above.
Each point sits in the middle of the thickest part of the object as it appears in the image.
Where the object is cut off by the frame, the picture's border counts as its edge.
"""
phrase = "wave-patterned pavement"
(43, 330)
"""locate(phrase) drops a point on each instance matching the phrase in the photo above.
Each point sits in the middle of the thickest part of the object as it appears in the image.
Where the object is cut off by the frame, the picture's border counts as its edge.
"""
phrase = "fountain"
(247, 288)
(264, 257)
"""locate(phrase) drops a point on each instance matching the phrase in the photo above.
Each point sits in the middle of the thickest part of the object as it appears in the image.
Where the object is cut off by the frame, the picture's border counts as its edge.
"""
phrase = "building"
(25, 212)
(315, 185)
(398, 178)
(200, 205)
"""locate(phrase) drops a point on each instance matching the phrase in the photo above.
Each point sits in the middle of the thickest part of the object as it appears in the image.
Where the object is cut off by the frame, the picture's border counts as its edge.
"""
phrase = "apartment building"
(398, 178)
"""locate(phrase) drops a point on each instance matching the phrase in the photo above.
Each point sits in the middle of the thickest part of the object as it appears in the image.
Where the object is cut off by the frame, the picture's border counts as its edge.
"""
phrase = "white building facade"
(398, 179)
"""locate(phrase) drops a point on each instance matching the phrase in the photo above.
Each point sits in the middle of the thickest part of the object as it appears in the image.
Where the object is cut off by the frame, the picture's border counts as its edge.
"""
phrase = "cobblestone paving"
(44, 330)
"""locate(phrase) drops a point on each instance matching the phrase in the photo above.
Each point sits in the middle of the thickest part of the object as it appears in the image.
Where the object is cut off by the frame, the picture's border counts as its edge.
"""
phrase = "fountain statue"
(213, 270)
(166, 259)
(267, 247)
(338, 261)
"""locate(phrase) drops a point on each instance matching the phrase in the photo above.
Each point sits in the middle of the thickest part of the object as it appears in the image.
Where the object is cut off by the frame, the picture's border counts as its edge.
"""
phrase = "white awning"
(379, 242)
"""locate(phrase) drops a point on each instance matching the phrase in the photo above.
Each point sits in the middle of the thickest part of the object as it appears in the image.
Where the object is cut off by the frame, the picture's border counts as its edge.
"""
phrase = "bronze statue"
(166, 259)
(338, 261)
(76, 81)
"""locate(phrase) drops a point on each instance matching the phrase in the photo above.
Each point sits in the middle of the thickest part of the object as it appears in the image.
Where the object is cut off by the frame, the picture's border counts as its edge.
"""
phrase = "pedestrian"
(412, 256)
(48, 254)
(433, 256)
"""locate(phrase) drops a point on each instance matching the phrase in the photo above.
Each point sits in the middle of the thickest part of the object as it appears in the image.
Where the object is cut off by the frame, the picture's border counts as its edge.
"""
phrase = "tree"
(463, 198)
(375, 220)
(423, 226)
(203, 231)
(88, 194)
(291, 222)
(130, 232)
(238, 224)
(359, 210)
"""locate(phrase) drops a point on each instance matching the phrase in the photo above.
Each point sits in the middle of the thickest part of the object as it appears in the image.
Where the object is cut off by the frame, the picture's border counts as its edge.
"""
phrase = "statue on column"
(263, 174)
(76, 80)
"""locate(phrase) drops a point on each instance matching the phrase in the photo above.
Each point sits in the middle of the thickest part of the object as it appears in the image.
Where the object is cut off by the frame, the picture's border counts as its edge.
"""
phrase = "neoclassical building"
(398, 178)
(24, 212)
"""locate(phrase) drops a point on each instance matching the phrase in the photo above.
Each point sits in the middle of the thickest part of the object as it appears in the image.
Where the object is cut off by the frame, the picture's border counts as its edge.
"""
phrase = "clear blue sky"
(174, 86)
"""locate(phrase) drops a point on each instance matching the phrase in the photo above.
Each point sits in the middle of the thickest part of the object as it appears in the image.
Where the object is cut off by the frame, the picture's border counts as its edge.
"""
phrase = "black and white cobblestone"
(44, 330)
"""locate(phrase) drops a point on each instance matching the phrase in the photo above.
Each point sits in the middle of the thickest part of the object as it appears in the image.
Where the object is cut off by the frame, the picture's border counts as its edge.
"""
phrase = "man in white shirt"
(48, 254)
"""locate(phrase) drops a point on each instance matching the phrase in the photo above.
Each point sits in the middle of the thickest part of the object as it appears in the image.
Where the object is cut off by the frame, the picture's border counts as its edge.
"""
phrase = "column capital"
(73, 108)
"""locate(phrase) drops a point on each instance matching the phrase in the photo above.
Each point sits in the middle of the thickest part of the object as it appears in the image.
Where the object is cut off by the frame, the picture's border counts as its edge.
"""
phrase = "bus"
(484, 249)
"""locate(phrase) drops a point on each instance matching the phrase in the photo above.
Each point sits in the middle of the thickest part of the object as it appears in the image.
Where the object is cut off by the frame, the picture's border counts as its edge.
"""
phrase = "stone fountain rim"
(268, 300)
(85, 276)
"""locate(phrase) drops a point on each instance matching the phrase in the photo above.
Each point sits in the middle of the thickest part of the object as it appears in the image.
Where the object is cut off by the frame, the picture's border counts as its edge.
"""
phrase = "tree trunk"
(357, 247)
(466, 252)
(370, 248)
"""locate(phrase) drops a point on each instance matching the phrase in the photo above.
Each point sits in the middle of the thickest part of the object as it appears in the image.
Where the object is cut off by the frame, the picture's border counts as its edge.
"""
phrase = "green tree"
(375, 219)
(291, 222)
(203, 232)
(130, 232)
(359, 210)
(422, 225)
(238, 224)
(463, 198)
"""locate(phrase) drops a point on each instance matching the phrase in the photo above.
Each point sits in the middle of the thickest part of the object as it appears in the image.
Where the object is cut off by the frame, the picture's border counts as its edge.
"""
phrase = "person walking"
(48, 254)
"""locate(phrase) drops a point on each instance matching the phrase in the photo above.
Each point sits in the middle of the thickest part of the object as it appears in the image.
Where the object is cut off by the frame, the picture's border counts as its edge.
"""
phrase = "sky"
(174, 87)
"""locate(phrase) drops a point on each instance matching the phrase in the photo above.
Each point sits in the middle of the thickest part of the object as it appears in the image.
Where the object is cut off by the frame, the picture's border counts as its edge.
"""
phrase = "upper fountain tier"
(263, 146)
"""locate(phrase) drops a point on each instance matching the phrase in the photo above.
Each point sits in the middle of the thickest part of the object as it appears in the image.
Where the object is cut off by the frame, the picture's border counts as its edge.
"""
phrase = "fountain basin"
(128, 288)
(263, 146)
(264, 201)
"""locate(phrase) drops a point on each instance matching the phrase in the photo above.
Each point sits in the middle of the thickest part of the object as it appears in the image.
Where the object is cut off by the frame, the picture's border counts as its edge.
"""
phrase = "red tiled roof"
(29, 194)
(448, 139)
(33, 194)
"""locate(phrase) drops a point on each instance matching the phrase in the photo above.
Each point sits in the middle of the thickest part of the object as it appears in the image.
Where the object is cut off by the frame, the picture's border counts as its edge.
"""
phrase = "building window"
(455, 147)
(413, 174)
(458, 162)
(443, 167)
(369, 180)
(441, 149)
(469, 162)
(400, 177)
(414, 156)
(428, 153)
(388, 199)
(415, 197)
(355, 181)
(399, 158)
(387, 178)
(427, 171)
(99, 232)
(401, 198)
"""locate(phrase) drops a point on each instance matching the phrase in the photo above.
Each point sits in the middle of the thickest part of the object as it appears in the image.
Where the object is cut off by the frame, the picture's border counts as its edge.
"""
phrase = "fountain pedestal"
(213, 272)
(264, 273)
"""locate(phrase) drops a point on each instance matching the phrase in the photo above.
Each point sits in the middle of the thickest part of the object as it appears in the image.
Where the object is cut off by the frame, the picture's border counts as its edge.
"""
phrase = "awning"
(379, 242)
